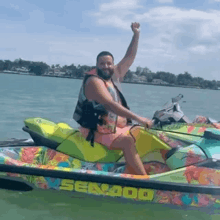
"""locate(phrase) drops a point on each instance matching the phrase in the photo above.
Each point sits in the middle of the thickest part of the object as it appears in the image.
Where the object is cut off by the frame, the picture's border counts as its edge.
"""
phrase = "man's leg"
(134, 164)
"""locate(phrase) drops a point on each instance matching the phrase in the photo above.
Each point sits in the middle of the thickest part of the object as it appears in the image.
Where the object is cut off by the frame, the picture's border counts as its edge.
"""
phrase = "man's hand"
(147, 123)
(135, 27)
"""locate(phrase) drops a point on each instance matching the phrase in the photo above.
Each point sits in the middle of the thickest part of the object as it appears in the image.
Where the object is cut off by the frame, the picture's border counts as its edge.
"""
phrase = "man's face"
(106, 64)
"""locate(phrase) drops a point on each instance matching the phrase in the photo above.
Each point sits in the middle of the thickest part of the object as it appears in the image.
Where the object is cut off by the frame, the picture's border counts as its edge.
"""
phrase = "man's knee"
(123, 142)
(127, 140)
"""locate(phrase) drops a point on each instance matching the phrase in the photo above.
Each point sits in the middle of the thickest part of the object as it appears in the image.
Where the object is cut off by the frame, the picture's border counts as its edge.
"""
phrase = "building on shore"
(159, 81)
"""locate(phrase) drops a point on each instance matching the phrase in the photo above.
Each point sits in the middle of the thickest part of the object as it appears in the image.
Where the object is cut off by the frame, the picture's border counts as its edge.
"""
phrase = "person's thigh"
(122, 141)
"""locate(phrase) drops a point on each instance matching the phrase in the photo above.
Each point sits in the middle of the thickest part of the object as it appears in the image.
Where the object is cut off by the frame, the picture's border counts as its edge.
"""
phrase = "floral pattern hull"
(47, 159)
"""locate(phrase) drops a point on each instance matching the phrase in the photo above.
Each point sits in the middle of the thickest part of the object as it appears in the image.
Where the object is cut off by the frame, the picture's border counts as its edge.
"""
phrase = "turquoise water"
(55, 99)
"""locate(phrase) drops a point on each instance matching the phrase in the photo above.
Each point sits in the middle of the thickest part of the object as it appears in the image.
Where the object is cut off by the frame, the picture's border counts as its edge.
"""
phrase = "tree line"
(143, 74)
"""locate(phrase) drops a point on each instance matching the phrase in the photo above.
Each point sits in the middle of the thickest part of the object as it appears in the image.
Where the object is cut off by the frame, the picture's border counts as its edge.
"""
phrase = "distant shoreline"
(143, 83)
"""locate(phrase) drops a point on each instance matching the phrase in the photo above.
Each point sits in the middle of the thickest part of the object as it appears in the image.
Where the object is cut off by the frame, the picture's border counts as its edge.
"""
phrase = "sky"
(175, 35)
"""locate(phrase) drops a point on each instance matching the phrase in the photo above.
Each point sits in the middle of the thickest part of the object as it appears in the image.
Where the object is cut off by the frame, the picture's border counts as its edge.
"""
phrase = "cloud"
(170, 25)
(83, 50)
(184, 28)
(172, 39)
(199, 49)
(16, 7)
(118, 13)
(60, 49)
(36, 16)
(119, 5)
(165, 1)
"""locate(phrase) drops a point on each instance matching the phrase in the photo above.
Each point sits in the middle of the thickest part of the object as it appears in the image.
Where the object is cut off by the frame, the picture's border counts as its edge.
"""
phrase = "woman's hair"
(104, 53)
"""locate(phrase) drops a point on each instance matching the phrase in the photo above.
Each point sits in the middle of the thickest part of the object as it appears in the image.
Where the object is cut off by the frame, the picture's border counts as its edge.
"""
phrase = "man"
(111, 127)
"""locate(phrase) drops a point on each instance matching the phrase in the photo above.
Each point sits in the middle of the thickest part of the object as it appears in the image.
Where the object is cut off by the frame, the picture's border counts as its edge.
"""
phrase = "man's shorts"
(106, 139)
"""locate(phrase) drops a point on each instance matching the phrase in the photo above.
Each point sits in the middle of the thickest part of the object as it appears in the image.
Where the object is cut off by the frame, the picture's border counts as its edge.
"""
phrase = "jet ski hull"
(28, 167)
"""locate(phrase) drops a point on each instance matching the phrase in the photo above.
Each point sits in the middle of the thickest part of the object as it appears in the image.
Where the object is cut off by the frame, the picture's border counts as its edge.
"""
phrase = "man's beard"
(104, 75)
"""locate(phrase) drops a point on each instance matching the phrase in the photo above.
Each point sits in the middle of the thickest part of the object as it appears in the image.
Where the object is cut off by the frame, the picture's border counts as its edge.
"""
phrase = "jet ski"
(181, 158)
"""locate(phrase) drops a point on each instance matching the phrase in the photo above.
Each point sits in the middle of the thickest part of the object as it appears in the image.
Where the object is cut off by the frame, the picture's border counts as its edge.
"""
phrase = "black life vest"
(87, 113)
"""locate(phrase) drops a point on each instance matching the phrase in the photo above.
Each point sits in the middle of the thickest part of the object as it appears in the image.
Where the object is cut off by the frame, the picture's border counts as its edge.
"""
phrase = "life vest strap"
(91, 137)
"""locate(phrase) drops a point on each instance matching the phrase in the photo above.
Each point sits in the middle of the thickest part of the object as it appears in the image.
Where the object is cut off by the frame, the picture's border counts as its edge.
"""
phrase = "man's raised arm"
(123, 66)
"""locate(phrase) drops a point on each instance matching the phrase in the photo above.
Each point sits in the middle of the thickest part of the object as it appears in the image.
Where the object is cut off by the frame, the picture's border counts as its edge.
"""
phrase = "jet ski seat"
(63, 138)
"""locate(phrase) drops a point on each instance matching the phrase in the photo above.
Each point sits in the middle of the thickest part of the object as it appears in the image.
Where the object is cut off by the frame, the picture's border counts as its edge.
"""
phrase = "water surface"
(55, 99)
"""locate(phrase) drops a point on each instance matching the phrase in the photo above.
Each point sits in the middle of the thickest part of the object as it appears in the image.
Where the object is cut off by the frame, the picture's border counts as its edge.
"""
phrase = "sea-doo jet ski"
(182, 160)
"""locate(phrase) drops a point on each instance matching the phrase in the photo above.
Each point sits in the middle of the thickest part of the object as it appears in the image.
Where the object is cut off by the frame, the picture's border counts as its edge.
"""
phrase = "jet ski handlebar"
(170, 113)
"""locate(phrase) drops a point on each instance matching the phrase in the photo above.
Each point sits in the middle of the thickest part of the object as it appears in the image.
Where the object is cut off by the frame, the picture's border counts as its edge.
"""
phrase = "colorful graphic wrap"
(41, 157)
